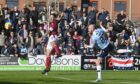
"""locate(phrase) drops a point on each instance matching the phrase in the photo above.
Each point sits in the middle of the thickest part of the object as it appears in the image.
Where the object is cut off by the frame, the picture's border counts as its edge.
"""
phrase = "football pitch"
(69, 77)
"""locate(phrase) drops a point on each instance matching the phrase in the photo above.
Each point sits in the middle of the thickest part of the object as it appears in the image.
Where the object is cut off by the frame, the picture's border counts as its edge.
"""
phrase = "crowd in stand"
(25, 32)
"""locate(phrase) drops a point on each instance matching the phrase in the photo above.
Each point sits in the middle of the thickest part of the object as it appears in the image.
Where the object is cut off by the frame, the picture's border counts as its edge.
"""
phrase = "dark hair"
(53, 15)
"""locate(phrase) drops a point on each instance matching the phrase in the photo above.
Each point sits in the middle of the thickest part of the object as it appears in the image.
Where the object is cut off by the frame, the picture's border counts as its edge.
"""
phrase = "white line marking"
(129, 83)
(90, 81)
(62, 78)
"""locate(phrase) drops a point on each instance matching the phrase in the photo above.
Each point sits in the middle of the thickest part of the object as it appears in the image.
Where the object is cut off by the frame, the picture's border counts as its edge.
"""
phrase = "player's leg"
(103, 54)
(98, 65)
(99, 69)
(48, 61)
(57, 50)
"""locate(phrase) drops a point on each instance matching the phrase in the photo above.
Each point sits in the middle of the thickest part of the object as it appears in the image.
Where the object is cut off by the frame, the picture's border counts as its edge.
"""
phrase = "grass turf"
(69, 77)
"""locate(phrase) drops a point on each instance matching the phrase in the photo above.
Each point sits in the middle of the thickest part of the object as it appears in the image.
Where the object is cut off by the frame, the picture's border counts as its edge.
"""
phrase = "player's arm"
(102, 27)
(91, 44)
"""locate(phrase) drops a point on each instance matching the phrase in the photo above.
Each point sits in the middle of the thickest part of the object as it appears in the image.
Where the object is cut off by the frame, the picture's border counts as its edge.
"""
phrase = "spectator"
(107, 20)
(32, 27)
(15, 16)
(78, 14)
(27, 12)
(41, 40)
(69, 43)
(62, 24)
(2, 40)
(30, 42)
(136, 48)
(123, 44)
(18, 26)
(23, 32)
(81, 46)
(117, 27)
(23, 52)
(68, 13)
(84, 19)
(91, 17)
(23, 14)
(24, 21)
(14, 50)
(1, 18)
(112, 35)
(125, 35)
(11, 39)
(8, 24)
(84, 31)
(39, 43)
(133, 39)
(5, 50)
(34, 16)
(20, 41)
(128, 22)
(44, 10)
(5, 9)
(102, 15)
(42, 17)
(76, 39)
(41, 31)
(121, 17)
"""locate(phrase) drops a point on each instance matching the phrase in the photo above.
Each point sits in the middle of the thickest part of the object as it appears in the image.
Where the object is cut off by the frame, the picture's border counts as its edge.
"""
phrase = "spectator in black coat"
(91, 17)
(14, 50)
(117, 27)
(68, 13)
(5, 50)
(11, 39)
(102, 15)
(15, 16)
(121, 17)
(34, 16)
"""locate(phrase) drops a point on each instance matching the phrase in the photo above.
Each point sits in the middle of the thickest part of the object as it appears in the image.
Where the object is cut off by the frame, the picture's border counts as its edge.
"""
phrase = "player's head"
(53, 33)
(91, 28)
(52, 17)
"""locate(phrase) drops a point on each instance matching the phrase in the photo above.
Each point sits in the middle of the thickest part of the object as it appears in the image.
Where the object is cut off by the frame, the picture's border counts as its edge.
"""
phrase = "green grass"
(69, 77)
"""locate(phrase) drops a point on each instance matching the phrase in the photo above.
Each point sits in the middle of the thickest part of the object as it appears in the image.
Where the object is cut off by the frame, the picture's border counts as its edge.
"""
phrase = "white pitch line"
(90, 81)
(62, 78)
(129, 83)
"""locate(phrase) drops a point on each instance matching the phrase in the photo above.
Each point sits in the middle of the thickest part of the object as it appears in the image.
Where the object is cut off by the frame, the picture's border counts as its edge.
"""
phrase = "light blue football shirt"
(99, 38)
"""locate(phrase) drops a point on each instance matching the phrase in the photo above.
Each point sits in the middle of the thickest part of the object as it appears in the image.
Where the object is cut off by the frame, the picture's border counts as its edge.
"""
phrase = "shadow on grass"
(12, 83)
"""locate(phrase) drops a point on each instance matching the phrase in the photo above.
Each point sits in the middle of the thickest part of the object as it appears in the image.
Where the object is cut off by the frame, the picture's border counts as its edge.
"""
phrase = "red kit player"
(52, 46)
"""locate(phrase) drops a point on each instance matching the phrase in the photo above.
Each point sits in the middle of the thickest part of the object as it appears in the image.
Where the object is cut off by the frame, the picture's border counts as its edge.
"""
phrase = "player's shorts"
(50, 47)
(106, 51)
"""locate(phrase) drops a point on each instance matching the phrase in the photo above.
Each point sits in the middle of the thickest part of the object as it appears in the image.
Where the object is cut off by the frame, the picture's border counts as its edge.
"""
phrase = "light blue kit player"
(100, 39)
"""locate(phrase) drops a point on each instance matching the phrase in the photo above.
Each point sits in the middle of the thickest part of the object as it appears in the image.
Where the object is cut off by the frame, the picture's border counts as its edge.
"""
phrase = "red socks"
(57, 50)
(48, 63)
